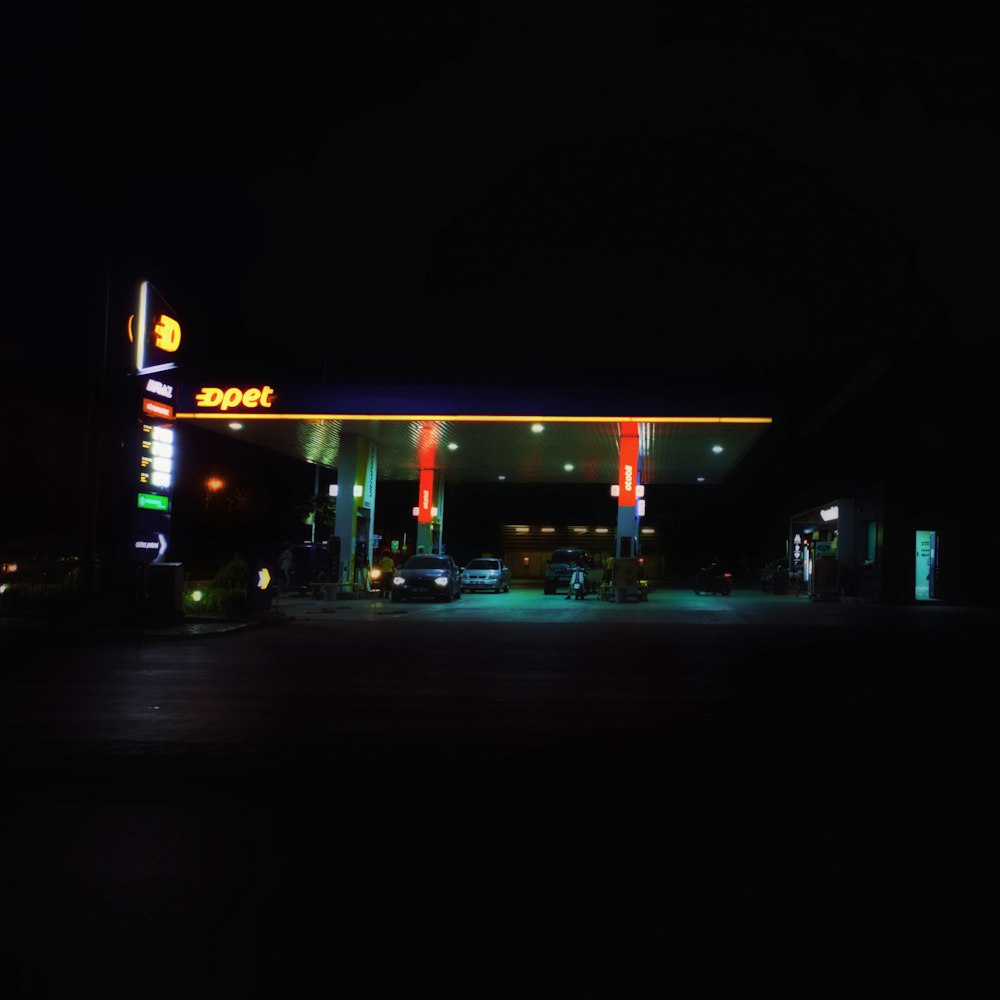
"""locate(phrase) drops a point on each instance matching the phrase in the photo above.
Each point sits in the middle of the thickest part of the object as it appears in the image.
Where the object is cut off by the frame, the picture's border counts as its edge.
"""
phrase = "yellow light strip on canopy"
(469, 418)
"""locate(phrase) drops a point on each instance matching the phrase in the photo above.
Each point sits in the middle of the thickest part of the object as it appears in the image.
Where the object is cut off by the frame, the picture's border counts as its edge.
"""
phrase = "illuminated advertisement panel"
(628, 465)
(154, 332)
(155, 474)
(425, 500)
(156, 459)
(154, 408)
(151, 547)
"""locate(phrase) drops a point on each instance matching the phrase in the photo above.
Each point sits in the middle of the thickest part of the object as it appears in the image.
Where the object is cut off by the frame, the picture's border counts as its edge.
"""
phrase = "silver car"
(436, 577)
(486, 574)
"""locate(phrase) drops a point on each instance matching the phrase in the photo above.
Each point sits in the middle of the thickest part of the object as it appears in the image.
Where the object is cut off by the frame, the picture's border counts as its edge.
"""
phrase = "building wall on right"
(909, 450)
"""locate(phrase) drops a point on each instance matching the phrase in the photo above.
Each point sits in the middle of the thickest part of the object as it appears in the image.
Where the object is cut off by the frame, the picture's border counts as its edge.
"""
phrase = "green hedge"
(226, 595)
(39, 598)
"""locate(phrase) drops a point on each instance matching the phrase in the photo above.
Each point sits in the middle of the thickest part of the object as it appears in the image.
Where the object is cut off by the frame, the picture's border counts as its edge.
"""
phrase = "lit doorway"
(925, 569)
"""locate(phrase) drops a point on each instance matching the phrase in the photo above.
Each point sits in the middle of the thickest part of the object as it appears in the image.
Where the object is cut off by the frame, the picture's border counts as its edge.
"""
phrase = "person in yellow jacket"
(388, 568)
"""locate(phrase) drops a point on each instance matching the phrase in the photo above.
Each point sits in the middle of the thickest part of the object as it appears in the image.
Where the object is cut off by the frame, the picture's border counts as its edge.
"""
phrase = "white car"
(486, 574)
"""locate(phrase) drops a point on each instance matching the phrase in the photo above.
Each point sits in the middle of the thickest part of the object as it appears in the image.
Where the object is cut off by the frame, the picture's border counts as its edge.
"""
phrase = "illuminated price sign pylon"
(155, 335)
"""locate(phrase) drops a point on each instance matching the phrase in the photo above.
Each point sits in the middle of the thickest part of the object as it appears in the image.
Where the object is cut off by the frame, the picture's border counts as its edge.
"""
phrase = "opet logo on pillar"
(628, 464)
(424, 506)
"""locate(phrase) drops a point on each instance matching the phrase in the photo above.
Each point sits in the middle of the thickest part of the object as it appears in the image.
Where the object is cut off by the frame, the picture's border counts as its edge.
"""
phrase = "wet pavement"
(665, 603)
(508, 796)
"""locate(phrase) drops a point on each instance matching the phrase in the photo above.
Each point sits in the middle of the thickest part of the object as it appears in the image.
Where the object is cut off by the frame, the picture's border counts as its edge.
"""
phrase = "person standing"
(388, 568)
(286, 561)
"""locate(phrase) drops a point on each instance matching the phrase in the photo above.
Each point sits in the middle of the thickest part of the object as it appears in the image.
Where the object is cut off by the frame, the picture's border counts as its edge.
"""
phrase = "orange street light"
(212, 485)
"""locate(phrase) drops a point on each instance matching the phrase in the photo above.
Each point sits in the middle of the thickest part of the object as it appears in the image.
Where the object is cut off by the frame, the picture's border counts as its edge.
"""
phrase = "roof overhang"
(480, 435)
(824, 516)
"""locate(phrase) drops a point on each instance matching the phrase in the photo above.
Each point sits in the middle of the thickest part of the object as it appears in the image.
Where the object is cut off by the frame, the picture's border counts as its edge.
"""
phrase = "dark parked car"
(560, 568)
(436, 577)
(311, 563)
(486, 574)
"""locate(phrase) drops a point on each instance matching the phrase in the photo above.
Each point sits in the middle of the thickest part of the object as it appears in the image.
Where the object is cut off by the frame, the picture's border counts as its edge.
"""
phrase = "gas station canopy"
(483, 434)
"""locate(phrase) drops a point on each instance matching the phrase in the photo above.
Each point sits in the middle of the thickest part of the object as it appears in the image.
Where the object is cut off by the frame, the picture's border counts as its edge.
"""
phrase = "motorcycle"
(578, 583)
(774, 577)
(713, 580)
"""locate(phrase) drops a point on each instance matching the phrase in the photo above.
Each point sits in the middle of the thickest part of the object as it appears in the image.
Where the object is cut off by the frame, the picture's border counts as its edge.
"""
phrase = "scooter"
(713, 580)
(578, 584)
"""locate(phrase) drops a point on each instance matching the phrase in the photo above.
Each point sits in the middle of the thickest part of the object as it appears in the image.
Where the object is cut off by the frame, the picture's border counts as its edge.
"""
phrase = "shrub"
(230, 602)
(39, 599)
(233, 576)
(226, 596)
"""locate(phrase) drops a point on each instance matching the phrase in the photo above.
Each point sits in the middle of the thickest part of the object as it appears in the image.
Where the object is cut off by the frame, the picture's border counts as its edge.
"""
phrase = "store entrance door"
(925, 568)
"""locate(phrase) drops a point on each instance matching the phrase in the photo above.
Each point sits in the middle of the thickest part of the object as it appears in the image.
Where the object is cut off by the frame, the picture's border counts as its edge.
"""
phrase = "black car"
(560, 568)
(310, 563)
(433, 577)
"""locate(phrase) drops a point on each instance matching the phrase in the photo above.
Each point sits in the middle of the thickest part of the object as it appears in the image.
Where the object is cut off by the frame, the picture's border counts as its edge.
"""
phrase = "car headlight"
(441, 581)
(398, 581)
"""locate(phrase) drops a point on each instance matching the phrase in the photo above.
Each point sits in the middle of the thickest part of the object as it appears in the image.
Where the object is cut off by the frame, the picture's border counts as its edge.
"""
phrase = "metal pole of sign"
(315, 503)
(141, 591)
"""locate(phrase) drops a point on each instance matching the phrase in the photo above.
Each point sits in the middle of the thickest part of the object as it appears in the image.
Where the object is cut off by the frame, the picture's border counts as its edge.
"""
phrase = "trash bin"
(163, 594)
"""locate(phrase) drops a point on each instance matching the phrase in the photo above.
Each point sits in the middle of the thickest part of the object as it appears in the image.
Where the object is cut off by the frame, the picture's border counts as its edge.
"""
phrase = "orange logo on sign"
(168, 333)
(628, 464)
(225, 399)
(424, 506)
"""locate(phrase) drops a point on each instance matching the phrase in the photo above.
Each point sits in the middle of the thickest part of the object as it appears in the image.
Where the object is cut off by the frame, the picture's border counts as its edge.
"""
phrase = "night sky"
(723, 196)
